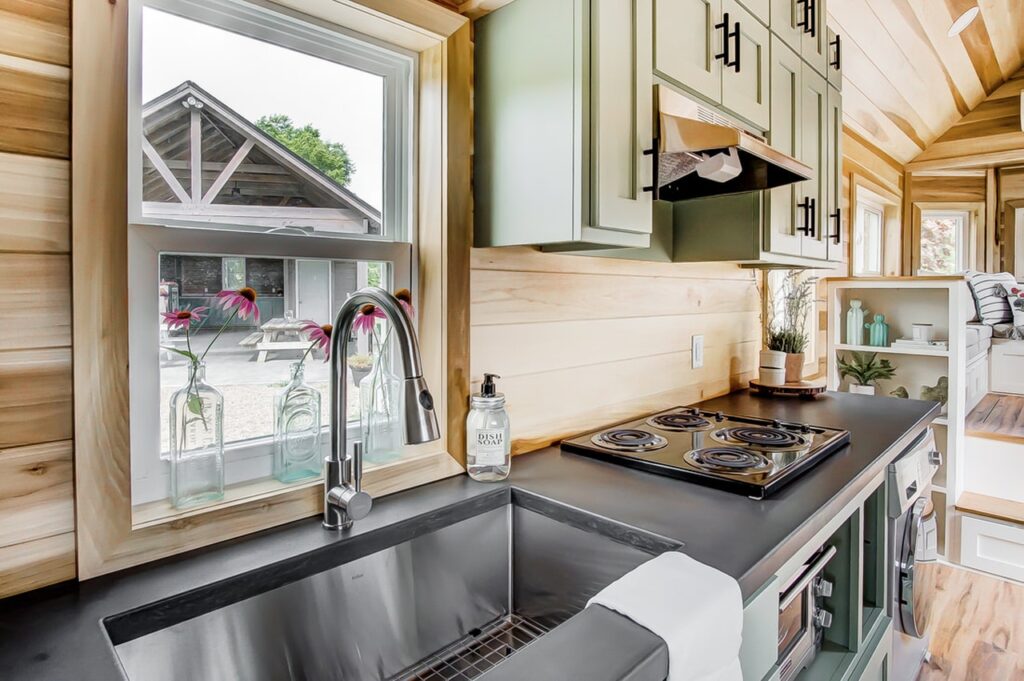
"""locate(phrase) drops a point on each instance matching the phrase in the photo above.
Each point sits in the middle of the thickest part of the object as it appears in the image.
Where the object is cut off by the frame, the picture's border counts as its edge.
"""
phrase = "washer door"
(917, 561)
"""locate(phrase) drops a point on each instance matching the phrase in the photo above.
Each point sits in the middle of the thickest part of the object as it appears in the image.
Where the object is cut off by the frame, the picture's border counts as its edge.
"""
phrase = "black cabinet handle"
(736, 37)
(804, 6)
(805, 207)
(837, 237)
(812, 6)
(724, 55)
(837, 63)
(812, 210)
(653, 152)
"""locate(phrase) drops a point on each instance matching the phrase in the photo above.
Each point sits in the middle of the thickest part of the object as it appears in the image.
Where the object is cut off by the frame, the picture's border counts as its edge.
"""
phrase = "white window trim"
(147, 238)
(868, 206)
(963, 237)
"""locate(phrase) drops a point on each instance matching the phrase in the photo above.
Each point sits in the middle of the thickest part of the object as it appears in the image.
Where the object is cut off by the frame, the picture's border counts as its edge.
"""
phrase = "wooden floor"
(999, 416)
(977, 628)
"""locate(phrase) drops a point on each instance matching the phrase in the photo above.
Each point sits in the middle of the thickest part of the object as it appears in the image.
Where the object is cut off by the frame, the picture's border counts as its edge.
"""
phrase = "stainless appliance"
(802, 617)
(746, 455)
(914, 552)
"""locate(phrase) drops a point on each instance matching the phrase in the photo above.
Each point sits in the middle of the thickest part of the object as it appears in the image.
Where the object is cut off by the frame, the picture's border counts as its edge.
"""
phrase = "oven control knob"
(719, 416)
(822, 587)
(822, 618)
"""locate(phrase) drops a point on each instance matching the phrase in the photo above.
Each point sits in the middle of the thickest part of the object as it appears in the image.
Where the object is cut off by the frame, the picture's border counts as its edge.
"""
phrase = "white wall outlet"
(697, 351)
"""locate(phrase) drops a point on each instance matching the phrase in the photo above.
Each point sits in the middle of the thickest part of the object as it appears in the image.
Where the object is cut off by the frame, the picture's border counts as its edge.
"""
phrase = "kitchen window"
(944, 241)
(269, 153)
(867, 239)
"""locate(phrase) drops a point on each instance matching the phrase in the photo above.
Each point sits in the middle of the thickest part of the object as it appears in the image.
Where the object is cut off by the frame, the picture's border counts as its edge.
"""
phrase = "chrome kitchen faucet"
(344, 499)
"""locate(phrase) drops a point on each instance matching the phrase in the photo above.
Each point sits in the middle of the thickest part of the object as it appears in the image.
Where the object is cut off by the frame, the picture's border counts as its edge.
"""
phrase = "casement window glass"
(867, 239)
(266, 151)
(944, 241)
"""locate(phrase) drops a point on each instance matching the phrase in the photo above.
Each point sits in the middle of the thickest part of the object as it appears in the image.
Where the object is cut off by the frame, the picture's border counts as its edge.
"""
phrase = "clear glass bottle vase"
(297, 430)
(380, 411)
(196, 441)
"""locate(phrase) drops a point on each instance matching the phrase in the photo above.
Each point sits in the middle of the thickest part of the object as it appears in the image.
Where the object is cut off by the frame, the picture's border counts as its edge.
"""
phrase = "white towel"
(696, 609)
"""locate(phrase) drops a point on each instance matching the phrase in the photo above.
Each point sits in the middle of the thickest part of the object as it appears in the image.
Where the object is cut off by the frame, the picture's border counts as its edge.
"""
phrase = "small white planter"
(769, 376)
(862, 389)
(773, 359)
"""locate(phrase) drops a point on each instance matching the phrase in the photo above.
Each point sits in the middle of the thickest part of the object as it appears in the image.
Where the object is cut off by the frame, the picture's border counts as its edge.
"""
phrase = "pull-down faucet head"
(344, 500)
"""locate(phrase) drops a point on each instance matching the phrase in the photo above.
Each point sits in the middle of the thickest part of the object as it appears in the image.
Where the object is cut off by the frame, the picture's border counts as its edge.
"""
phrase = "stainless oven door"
(917, 560)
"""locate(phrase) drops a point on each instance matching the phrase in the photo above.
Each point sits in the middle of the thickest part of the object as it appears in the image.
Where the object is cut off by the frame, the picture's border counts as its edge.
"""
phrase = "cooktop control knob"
(822, 587)
(719, 416)
(822, 618)
(804, 428)
(776, 423)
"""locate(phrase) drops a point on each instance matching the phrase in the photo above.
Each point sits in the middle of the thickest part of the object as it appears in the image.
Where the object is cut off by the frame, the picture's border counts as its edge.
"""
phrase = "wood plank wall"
(581, 341)
(37, 540)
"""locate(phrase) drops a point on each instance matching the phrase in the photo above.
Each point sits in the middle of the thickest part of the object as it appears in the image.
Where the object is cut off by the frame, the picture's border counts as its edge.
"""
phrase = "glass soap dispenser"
(488, 446)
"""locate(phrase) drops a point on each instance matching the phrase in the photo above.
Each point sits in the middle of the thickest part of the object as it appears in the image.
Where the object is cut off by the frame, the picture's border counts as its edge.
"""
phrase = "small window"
(867, 239)
(944, 239)
(267, 154)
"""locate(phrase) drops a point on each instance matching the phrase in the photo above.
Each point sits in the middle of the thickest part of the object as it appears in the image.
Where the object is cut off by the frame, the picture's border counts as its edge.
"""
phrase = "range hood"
(700, 154)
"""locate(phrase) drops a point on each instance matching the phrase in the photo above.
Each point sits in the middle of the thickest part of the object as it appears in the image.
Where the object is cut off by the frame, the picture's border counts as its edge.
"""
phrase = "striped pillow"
(990, 296)
(1015, 297)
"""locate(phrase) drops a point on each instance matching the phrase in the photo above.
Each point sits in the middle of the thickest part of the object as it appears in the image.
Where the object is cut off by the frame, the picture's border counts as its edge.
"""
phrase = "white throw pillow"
(1015, 298)
(989, 291)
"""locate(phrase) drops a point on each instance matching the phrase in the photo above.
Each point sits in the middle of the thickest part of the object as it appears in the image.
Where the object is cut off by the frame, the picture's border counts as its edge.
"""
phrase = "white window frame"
(963, 237)
(147, 238)
(865, 206)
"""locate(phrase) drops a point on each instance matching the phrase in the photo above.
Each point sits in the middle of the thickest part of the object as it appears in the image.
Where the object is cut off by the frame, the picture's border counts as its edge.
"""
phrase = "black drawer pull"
(837, 63)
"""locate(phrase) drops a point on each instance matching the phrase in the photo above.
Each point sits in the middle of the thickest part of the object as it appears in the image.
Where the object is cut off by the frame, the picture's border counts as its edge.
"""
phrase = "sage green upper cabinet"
(835, 59)
(686, 41)
(834, 176)
(781, 235)
(814, 39)
(787, 21)
(563, 111)
(745, 83)
(813, 152)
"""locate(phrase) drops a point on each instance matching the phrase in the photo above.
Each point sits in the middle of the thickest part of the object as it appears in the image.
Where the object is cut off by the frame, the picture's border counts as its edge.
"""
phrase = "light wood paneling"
(36, 495)
(998, 415)
(37, 563)
(977, 627)
(36, 29)
(991, 507)
(905, 82)
(35, 195)
(581, 342)
(35, 396)
(36, 108)
(947, 189)
(36, 302)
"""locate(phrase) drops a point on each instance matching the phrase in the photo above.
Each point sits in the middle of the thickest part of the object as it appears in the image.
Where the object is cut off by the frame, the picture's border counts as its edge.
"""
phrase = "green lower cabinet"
(877, 656)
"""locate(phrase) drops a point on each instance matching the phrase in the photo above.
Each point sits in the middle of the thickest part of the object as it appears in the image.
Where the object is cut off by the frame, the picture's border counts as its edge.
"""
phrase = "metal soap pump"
(488, 445)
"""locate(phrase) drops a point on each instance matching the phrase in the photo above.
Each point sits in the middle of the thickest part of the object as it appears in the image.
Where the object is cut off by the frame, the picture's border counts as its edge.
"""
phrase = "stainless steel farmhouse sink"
(448, 601)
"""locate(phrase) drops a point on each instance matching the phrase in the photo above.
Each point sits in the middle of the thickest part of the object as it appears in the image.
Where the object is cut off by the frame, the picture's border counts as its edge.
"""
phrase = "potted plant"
(787, 334)
(865, 370)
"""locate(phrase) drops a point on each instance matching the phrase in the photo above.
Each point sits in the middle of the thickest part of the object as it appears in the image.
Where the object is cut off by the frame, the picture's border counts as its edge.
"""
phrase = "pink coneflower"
(183, 318)
(367, 318)
(243, 301)
(404, 297)
(320, 334)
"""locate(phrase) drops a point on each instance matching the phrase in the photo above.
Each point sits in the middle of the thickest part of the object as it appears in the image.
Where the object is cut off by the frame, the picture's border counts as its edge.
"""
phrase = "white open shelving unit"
(904, 301)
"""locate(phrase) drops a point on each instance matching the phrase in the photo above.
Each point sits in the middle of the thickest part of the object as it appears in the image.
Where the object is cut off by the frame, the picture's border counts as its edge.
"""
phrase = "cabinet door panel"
(814, 43)
(813, 152)
(686, 42)
(787, 93)
(786, 14)
(834, 178)
(621, 115)
(745, 91)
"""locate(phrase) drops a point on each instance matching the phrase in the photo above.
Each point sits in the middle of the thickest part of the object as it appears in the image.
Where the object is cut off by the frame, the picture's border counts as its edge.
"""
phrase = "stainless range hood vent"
(701, 154)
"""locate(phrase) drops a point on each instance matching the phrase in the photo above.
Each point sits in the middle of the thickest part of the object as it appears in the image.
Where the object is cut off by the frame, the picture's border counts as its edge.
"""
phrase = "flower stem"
(223, 326)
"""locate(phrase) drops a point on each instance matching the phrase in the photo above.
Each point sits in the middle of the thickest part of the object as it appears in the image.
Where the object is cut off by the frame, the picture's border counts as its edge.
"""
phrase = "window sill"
(378, 480)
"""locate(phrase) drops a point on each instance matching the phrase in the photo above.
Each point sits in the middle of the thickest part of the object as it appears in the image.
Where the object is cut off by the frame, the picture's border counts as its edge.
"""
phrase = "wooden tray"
(805, 389)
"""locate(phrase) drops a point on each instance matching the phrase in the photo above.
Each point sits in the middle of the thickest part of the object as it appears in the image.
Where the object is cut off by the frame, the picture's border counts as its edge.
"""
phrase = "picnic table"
(276, 335)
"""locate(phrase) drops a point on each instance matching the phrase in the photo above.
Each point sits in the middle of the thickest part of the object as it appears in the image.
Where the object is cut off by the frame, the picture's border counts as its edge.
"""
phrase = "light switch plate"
(697, 351)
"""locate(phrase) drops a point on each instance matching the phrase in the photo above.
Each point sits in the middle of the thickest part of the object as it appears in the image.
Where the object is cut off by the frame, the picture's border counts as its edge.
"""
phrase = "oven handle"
(801, 584)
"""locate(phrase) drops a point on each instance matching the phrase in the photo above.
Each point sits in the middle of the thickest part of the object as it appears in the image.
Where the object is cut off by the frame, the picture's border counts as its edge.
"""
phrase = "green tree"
(330, 157)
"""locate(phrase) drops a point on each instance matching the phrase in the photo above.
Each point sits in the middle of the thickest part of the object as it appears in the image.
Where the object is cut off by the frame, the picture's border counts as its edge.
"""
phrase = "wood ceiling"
(905, 82)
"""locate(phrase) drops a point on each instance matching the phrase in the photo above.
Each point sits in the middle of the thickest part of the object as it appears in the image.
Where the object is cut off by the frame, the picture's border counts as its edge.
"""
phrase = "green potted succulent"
(865, 370)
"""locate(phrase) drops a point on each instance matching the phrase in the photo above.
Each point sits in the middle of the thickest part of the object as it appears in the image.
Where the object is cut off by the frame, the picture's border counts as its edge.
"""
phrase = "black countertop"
(57, 633)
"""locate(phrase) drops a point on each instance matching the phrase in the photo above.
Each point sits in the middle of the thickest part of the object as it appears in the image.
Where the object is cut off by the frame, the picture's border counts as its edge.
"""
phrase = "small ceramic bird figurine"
(939, 393)
(900, 392)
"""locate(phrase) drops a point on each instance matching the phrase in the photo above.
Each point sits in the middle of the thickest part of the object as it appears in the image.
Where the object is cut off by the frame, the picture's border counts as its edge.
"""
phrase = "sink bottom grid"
(477, 652)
